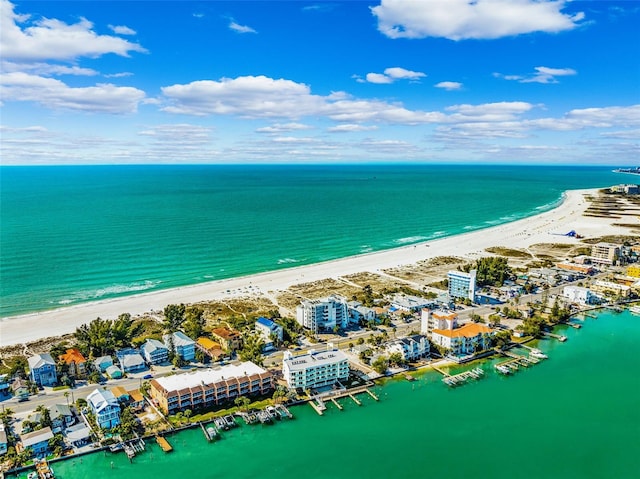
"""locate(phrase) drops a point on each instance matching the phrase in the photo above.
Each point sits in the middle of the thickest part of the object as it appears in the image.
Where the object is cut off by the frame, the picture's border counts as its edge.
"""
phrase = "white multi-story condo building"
(323, 314)
(411, 348)
(462, 285)
(438, 319)
(316, 369)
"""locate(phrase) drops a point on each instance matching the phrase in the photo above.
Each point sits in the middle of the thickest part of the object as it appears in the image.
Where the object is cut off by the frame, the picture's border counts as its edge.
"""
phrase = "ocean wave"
(288, 261)
(366, 248)
(116, 289)
(410, 239)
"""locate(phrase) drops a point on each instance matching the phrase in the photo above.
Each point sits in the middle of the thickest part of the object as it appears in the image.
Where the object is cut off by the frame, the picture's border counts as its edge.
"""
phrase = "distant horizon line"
(372, 163)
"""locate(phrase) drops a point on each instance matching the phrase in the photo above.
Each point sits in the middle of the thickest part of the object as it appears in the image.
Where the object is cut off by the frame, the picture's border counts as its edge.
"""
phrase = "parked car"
(147, 376)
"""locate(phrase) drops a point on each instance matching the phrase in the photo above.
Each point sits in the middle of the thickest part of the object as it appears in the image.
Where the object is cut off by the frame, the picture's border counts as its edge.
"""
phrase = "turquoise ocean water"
(573, 416)
(77, 234)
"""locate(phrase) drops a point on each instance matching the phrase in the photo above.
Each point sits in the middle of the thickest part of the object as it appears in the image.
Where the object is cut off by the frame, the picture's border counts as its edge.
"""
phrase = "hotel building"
(462, 285)
(323, 314)
(316, 369)
(204, 388)
(605, 253)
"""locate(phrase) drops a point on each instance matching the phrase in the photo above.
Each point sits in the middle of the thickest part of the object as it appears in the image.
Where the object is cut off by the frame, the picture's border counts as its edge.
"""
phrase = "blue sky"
(433, 81)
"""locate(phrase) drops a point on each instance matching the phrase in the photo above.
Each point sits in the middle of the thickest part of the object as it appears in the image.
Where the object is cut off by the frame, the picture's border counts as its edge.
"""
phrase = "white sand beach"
(546, 227)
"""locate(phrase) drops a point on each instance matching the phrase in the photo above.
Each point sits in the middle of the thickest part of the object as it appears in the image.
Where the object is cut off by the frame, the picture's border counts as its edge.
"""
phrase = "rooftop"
(209, 376)
(40, 360)
(225, 333)
(35, 437)
(72, 356)
(322, 358)
(469, 330)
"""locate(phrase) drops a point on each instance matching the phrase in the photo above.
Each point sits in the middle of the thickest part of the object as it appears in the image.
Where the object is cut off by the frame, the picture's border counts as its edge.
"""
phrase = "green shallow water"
(575, 415)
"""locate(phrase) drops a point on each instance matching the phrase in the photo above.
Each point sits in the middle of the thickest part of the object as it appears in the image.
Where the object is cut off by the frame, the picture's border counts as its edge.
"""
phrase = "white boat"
(502, 369)
(635, 309)
(536, 353)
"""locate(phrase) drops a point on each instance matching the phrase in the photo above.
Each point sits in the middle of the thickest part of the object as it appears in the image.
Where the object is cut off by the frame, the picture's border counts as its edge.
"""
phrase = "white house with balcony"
(411, 348)
(323, 314)
(105, 407)
(580, 295)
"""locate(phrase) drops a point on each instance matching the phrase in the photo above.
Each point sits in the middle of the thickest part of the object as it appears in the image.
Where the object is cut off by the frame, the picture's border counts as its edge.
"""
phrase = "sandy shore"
(518, 234)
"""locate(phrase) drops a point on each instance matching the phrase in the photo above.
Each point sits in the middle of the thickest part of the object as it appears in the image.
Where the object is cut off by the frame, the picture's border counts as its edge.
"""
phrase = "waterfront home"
(584, 269)
(209, 387)
(105, 407)
(464, 340)
(229, 340)
(4, 443)
(78, 435)
(132, 363)
(38, 441)
(114, 372)
(359, 313)
(315, 369)
(210, 348)
(183, 345)
(438, 319)
(20, 389)
(323, 314)
(410, 348)
(462, 285)
(102, 363)
(4, 384)
(154, 351)
(61, 417)
(269, 331)
(580, 295)
(43, 369)
(75, 361)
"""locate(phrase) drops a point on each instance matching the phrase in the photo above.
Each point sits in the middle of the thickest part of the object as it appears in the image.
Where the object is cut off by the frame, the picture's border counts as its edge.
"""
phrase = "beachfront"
(547, 227)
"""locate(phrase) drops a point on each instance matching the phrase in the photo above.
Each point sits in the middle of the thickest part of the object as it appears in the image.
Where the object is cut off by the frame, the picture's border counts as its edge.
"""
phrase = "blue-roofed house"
(154, 351)
(4, 384)
(43, 369)
(185, 347)
(132, 363)
(105, 407)
(102, 363)
(269, 330)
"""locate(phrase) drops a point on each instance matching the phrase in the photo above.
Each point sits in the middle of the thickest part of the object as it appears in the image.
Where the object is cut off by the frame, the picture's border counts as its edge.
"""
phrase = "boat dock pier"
(210, 431)
(337, 404)
(318, 405)
(555, 336)
(355, 400)
(164, 444)
(43, 470)
(461, 378)
(284, 412)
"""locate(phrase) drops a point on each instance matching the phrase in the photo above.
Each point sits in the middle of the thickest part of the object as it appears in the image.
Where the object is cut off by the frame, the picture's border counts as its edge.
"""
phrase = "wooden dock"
(355, 400)
(445, 374)
(210, 431)
(164, 444)
(372, 395)
(461, 378)
(337, 404)
(560, 338)
(318, 405)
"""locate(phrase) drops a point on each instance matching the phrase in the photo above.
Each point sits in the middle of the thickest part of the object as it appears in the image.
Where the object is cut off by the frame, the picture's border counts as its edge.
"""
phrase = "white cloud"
(465, 19)
(118, 75)
(51, 39)
(390, 75)
(181, 134)
(283, 128)
(39, 68)
(607, 117)
(350, 127)
(236, 27)
(499, 111)
(54, 94)
(122, 30)
(449, 85)
(264, 97)
(541, 75)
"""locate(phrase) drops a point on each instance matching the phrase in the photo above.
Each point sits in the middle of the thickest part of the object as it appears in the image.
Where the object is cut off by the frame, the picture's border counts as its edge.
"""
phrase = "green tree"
(45, 415)
(502, 339)
(252, 349)
(194, 323)
(174, 316)
(56, 444)
(94, 339)
(491, 271)
(396, 359)
(123, 330)
(380, 364)
(242, 402)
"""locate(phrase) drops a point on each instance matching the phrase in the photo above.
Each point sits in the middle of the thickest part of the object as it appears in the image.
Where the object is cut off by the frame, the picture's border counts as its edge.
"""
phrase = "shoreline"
(546, 227)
